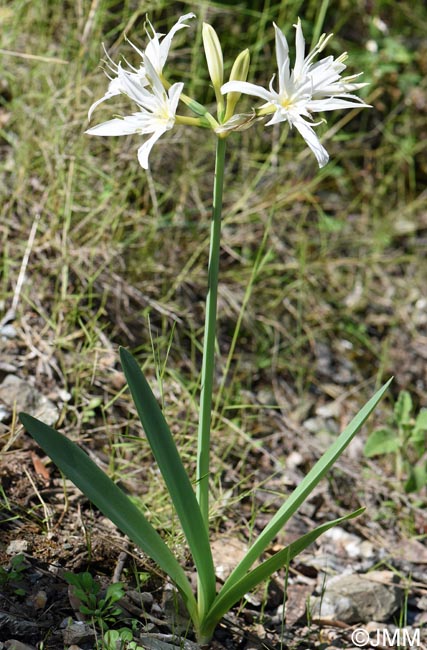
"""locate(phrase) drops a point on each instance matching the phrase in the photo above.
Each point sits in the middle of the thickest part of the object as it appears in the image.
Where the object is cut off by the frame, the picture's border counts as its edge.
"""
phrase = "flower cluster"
(144, 85)
(309, 88)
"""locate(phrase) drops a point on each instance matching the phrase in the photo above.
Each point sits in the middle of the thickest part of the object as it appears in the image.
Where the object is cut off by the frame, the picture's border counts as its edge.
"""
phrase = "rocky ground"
(358, 586)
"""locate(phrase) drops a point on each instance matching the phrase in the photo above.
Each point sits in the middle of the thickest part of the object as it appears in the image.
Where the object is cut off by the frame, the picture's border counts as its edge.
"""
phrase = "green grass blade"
(231, 593)
(306, 486)
(110, 500)
(176, 478)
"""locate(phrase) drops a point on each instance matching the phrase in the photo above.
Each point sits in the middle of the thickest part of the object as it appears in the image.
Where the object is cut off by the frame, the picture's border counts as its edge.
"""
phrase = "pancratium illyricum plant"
(310, 87)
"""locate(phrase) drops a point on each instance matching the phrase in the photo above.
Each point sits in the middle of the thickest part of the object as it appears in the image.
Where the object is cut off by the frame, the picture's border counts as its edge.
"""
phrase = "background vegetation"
(337, 300)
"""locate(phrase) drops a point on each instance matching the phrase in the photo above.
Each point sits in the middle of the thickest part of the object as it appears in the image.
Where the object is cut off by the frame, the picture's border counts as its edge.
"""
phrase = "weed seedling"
(405, 437)
(120, 640)
(12, 576)
(102, 610)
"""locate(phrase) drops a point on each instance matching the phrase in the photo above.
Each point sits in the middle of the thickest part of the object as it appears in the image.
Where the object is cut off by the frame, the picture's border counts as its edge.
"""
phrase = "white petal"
(152, 51)
(140, 52)
(153, 76)
(166, 42)
(335, 103)
(113, 89)
(132, 87)
(248, 89)
(158, 51)
(99, 101)
(145, 149)
(313, 142)
(278, 116)
(174, 94)
(282, 49)
(117, 126)
(323, 74)
(327, 63)
(337, 89)
(300, 50)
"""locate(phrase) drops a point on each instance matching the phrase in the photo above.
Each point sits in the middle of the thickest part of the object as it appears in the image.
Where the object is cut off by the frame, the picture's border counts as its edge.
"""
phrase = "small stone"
(422, 603)
(344, 541)
(4, 414)
(39, 599)
(118, 379)
(411, 550)
(150, 642)
(78, 632)
(358, 599)
(367, 550)
(64, 395)
(266, 397)
(174, 609)
(8, 367)
(17, 394)
(140, 598)
(331, 410)
(385, 577)
(314, 425)
(8, 332)
(12, 644)
(373, 626)
(227, 552)
(17, 546)
(295, 459)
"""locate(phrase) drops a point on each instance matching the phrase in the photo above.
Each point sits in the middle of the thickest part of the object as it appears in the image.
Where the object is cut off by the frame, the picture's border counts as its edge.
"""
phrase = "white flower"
(157, 52)
(156, 114)
(309, 88)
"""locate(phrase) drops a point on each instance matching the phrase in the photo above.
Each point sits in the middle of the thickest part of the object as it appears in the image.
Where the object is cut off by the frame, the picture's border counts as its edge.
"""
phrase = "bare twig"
(11, 313)
(121, 561)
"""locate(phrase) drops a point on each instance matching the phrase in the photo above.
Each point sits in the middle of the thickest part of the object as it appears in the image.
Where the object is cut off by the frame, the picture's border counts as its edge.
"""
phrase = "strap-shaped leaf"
(306, 486)
(176, 478)
(232, 592)
(110, 500)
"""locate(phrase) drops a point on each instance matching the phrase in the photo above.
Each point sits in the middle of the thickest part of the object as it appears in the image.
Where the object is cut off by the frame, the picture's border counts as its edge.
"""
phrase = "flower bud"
(239, 72)
(214, 59)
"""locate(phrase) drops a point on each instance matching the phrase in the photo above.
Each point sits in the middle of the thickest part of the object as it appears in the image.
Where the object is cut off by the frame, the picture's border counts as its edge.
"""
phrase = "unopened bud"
(239, 72)
(213, 54)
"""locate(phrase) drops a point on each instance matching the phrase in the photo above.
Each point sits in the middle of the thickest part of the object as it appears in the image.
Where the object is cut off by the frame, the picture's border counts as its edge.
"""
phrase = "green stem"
(192, 121)
(208, 364)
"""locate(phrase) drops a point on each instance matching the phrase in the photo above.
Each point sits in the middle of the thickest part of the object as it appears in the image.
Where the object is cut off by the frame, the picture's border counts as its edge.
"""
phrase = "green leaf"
(417, 478)
(176, 478)
(403, 408)
(233, 591)
(381, 441)
(420, 426)
(110, 500)
(306, 486)
(114, 592)
(88, 583)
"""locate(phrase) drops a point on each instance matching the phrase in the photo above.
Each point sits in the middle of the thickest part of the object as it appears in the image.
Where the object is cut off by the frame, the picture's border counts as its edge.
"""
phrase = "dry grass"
(119, 257)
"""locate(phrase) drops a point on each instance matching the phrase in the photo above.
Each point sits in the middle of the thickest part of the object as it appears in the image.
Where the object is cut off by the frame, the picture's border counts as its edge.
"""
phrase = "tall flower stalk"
(208, 363)
(309, 88)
